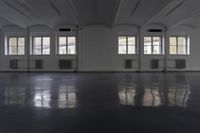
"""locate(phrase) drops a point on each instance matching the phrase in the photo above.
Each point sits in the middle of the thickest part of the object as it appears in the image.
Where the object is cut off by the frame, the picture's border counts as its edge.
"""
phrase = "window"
(15, 46)
(126, 45)
(179, 45)
(66, 45)
(41, 46)
(153, 45)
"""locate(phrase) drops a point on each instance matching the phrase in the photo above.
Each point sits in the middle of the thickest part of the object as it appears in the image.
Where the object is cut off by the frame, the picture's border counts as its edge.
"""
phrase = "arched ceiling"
(105, 12)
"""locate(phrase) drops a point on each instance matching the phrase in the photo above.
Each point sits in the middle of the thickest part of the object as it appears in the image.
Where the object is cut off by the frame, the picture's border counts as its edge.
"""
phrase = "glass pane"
(172, 44)
(12, 46)
(147, 41)
(181, 49)
(131, 49)
(62, 50)
(122, 41)
(131, 40)
(62, 40)
(156, 41)
(147, 49)
(156, 45)
(37, 46)
(71, 41)
(21, 46)
(156, 50)
(62, 45)
(46, 45)
(71, 45)
(122, 49)
(172, 41)
(71, 50)
(172, 50)
(182, 41)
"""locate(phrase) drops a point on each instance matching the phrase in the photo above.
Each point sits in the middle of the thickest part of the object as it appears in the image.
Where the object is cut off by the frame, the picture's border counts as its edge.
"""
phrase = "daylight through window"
(41, 46)
(179, 45)
(126, 45)
(153, 45)
(15, 46)
(66, 45)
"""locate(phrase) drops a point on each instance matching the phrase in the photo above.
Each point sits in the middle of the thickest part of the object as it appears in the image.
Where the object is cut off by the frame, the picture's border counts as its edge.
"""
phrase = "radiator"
(38, 64)
(13, 64)
(66, 64)
(180, 63)
(128, 64)
(154, 64)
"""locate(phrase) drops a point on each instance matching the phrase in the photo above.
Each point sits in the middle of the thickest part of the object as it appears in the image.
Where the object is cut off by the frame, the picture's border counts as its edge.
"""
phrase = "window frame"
(32, 45)
(187, 48)
(7, 51)
(162, 50)
(67, 45)
(127, 45)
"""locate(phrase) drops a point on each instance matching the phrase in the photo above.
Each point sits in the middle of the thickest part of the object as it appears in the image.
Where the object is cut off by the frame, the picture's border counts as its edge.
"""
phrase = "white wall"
(98, 50)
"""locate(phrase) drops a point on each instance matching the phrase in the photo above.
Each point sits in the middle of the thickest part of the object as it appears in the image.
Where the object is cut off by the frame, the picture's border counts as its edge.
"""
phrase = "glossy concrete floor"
(100, 103)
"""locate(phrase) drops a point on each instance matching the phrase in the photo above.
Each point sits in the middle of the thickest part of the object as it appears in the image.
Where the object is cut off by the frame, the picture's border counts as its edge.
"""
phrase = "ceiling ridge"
(175, 8)
(136, 7)
(13, 7)
(55, 8)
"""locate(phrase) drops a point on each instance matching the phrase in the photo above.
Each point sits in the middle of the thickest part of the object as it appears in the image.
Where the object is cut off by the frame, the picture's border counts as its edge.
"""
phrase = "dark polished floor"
(100, 103)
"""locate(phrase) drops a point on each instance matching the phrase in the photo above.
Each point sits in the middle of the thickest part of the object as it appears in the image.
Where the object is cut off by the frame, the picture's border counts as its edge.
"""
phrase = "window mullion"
(127, 45)
(152, 45)
(186, 43)
(161, 45)
(58, 45)
(42, 45)
(8, 46)
(33, 41)
(66, 45)
(177, 45)
(17, 45)
(136, 51)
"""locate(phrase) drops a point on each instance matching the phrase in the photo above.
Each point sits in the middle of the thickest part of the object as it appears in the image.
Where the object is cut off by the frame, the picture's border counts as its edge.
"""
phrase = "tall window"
(41, 46)
(15, 46)
(179, 45)
(66, 45)
(126, 45)
(153, 45)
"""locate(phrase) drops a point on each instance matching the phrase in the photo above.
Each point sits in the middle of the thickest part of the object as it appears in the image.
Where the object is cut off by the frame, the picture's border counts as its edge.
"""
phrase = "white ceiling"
(53, 13)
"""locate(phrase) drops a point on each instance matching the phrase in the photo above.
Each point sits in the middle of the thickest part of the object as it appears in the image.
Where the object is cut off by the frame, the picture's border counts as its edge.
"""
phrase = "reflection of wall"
(67, 97)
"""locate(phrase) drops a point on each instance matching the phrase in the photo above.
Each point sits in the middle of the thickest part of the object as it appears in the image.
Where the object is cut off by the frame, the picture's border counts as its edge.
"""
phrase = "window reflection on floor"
(178, 96)
(67, 97)
(151, 97)
(175, 95)
(15, 96)
(126, 96)
(42, 98)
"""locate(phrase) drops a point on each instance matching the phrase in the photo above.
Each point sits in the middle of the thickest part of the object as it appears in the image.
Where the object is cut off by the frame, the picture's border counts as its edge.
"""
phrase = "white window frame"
(127, 51)
(67, 44)
(187, 38)
(152, 48)
(32, 45)
(7, 45)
